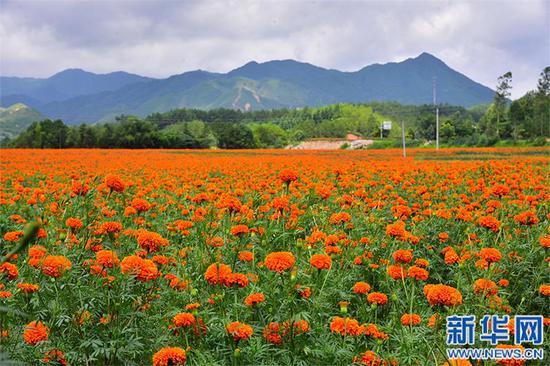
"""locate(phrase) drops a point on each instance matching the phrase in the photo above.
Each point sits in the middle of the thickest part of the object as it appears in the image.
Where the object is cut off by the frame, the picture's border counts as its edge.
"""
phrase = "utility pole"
(403, 138)
(436, 115)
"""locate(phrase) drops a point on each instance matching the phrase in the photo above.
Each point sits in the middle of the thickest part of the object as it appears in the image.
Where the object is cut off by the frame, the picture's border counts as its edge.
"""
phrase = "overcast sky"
(482, 39)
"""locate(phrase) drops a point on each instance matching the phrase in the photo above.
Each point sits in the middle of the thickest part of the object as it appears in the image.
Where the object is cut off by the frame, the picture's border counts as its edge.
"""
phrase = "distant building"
(352, 137)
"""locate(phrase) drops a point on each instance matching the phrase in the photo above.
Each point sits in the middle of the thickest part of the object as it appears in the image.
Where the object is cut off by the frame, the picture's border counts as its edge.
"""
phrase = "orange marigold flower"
(217, 273)
(369, 358)
(215, 242)
(304, 292)
(301, 326)
(421, 262)
(544, 290)
(129, 211)
(238, 279)
(345, 326)
(229, 202)
(239, 229)
(400, 211)
(451, 257)
(339, 218)
(114, 183)
(37, 251)
(280, 203)
(150, 241)
(170, 356)
(161, 259)
(396, 229)
(489, 222)
(403, 256)
(246, 256)
(183, 320)
(442, 295)
(54, 356)
(419, 274)
(144, 269)
(35, 332)
(74, 223)
(28, 288)
(486, 287)
(10, 269)
(183, 225)
(490, 254)
(13, 235)
(110, 227)
(333, 249)
(321, 261)
(361, 287)
(279, 261)
(503, 282)
(80, 189)
(107, 258)
(377, 298)
(83, 317)
(193, 306)
(443, 237)
(18, 219)
(411, 319)
(55, 265)
(343, 306)
(397, 272)
(254, 299)
(482, 264)
(288, 176)
(272, 333)
(140, 204)
(500, 190)
(527, 218)
(239, 331)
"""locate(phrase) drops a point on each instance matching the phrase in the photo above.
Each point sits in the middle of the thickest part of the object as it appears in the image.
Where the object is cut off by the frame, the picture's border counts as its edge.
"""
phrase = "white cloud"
(481, 39)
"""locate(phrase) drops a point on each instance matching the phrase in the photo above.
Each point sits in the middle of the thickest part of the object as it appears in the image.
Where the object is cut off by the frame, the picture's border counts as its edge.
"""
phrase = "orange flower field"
(268, 257)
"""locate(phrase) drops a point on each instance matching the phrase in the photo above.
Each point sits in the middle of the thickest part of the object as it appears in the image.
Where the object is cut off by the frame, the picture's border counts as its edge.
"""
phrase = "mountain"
(63, 85)
(272, 84)
(16, 118)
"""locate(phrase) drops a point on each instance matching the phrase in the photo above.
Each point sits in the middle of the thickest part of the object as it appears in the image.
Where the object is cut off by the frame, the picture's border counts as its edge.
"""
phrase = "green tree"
(501, 98)
(269, 135)
(236, 136)
(542, 102)
(447, 131)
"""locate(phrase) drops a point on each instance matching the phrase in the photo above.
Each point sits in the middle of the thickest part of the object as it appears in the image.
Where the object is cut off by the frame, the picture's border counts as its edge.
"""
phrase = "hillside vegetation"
(523, 121)
(16, 118)
(75, 96)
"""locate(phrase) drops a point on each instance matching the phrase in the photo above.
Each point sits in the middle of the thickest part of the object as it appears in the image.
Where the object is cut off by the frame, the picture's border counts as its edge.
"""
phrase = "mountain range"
(77, 96)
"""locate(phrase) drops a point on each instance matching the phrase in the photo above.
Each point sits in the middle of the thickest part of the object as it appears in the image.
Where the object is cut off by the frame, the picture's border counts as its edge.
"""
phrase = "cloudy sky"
(482, 39)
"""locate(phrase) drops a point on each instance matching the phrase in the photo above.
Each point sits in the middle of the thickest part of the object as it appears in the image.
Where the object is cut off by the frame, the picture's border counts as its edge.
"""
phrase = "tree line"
(524, 119)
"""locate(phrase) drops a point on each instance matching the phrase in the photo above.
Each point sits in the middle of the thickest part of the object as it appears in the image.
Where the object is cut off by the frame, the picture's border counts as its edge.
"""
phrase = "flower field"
(266, 257)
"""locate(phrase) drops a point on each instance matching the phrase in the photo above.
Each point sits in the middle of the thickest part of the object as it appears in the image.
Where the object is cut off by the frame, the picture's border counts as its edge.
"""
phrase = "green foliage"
(16, 118)
(268, 135)
(235, 136)
(483, 125)
(43, 134)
